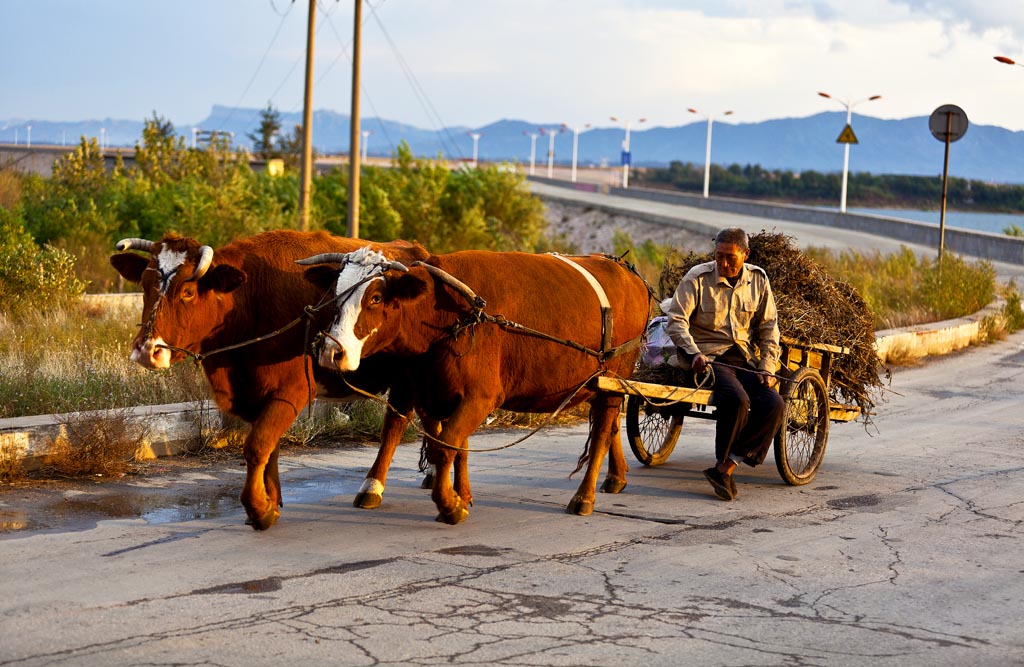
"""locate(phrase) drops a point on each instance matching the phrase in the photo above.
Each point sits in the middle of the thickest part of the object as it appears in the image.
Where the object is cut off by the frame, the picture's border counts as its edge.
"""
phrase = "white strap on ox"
(606, 306)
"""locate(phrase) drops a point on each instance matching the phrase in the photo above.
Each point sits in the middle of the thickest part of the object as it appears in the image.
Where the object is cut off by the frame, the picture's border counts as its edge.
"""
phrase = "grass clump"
(903, 289)
(75, 358)
(103, 444)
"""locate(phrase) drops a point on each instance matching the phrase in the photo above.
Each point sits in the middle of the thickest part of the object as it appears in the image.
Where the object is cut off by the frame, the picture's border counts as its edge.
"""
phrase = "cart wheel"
(800, 443)
(652, 430)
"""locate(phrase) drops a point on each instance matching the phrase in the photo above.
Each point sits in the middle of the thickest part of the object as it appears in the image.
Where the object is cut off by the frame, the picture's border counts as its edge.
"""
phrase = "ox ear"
(223, 278)
(129, 265)
(322, 275)
(406, 286)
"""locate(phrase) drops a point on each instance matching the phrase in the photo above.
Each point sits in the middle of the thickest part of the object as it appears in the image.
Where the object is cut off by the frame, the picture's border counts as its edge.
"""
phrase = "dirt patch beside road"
(593, 231)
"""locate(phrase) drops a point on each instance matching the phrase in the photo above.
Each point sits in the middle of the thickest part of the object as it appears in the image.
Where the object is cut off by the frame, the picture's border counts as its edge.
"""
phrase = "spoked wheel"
(652, 430)
(800, 443)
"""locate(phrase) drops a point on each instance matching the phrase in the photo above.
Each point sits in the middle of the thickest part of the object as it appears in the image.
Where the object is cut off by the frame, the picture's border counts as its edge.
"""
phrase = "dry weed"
(97, 443)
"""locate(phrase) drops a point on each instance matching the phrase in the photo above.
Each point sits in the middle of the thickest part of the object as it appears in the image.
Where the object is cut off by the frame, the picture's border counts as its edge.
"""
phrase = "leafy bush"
(32, 277)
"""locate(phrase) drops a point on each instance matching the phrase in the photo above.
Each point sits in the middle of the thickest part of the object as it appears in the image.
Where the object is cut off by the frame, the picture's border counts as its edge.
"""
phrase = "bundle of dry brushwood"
(813, 308)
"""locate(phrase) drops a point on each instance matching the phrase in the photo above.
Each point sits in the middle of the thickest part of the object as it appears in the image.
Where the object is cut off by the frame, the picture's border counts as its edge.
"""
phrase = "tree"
(263, 139)
(289, 147)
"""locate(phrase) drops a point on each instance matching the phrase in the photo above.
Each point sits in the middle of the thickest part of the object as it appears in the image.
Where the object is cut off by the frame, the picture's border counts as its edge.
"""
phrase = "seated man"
(723, 314)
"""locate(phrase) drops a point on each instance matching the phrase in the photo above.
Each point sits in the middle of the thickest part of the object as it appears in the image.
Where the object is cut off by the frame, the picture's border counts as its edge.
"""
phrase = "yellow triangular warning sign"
(847, 136)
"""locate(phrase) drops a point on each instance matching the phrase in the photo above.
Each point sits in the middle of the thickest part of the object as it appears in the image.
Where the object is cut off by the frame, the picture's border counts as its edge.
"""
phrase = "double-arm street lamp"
(533, 148)
(575, 147)
(627, 158)
(846, 152)
(476, 142)
(551, 146)
(707, 151)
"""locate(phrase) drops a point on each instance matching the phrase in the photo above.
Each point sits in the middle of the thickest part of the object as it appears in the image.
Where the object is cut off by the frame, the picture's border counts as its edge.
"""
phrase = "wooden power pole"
(305, 184)
(353, 134)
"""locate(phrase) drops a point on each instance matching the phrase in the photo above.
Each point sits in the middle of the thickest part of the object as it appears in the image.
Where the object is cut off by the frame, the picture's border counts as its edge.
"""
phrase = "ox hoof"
(428, 481)
(613, 485)
(367, 501)
(266, 521)
(580, 507)
(457, 515)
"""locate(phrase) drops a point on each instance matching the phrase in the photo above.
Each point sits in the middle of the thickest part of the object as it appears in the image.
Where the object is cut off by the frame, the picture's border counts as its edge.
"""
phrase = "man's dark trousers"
(748, 413)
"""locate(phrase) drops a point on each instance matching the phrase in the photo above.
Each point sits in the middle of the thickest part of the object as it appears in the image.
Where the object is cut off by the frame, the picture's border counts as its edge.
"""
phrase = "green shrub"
(32, 277)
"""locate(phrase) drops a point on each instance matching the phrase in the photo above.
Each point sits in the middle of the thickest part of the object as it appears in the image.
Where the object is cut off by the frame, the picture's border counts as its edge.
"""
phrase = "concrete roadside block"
(935, 338)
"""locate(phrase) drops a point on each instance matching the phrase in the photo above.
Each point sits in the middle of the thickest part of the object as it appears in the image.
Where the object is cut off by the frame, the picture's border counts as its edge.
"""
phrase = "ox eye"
(376, 300)
(188, 293)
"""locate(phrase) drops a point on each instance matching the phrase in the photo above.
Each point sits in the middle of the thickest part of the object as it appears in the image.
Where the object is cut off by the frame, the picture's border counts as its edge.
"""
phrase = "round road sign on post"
(947, 123)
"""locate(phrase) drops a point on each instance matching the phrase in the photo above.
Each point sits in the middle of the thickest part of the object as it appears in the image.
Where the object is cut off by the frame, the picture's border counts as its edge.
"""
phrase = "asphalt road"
(804, 235)
(905, 550)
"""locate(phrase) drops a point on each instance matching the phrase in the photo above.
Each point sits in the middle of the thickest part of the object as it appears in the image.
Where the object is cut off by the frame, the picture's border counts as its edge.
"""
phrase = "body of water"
(994, 223)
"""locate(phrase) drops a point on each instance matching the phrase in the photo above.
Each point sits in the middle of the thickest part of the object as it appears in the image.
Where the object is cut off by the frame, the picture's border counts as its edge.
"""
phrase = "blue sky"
(434, 63)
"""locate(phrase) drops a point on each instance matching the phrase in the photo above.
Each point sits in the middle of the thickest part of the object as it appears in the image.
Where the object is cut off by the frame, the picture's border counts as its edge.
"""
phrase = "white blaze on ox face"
(151, 352)
(342, 349)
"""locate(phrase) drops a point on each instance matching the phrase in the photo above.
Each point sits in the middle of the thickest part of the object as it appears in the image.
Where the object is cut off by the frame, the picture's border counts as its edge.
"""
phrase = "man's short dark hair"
(733, 235)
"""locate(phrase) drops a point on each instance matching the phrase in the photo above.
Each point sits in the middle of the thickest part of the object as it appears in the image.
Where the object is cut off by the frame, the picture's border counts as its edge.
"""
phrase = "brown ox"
(197, 301)
(463, 363)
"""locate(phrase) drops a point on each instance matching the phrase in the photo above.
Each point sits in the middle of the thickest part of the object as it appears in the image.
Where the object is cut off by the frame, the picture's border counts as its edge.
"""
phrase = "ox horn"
(203, 264)
(397, 266)
(462, 288)
(135, 244)
(325, 258)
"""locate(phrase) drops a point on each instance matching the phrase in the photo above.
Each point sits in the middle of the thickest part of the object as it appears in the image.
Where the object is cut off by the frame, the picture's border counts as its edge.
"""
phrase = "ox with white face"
(343, 347)
(151, 351)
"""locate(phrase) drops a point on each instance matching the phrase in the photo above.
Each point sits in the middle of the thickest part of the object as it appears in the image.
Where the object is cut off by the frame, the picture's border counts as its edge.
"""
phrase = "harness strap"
(602, 297)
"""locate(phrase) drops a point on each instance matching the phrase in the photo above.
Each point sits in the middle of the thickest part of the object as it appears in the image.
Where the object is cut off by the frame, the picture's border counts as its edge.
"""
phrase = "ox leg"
(615, 482)
(261, 494)
(371, 493)
(461, 485)
(604, 412)
(450, 506)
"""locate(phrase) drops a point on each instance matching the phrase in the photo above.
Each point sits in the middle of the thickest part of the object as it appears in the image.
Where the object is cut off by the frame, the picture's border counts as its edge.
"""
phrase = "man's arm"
(679, 309)
(768, 332)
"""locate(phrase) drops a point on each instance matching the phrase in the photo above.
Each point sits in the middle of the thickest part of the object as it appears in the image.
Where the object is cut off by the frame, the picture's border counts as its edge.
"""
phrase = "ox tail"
(423, 463)
(584, 458)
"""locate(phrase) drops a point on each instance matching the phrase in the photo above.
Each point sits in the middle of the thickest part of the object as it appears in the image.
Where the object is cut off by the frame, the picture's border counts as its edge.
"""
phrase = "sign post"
(947, 124)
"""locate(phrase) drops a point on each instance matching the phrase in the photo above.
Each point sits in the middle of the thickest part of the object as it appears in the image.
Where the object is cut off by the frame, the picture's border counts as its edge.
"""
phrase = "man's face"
(729, 259)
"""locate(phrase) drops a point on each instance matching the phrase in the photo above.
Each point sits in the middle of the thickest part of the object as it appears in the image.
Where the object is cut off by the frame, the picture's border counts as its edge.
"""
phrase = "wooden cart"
(655, 412)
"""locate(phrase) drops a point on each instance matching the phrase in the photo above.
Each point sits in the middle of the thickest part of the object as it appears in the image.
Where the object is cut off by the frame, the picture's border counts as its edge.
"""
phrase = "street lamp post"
(575, 148)
(627, 159)
(476, 141)
(28, 137)
(551, 147)
(707, 151)
(846, 152)
(103, 136)
(366, 136)
(533, 149)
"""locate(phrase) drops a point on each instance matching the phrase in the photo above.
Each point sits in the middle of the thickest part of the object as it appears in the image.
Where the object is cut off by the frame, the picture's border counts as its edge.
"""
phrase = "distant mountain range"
(903, 146)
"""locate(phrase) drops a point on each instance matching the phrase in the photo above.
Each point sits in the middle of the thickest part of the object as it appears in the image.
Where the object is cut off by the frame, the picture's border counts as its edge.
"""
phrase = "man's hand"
(767, 379)
(699, 363)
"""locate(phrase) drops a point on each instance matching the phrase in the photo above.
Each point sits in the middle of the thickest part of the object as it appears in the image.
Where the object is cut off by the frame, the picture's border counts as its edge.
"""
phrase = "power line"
(263, 59)
(345, 48)
(421, 94)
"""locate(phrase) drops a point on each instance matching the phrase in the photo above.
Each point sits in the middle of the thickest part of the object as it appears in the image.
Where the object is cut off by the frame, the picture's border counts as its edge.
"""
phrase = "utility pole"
(307, 126)
(353, 134)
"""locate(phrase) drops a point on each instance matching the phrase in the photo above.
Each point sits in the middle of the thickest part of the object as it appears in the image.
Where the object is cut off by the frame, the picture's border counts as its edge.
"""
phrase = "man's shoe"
(720, 483)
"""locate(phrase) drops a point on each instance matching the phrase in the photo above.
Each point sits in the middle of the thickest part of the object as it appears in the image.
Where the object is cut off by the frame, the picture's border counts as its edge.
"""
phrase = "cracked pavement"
(905, 550)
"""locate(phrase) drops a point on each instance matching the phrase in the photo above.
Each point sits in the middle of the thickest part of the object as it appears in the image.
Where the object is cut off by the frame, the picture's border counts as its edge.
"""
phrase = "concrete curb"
(935, 338)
